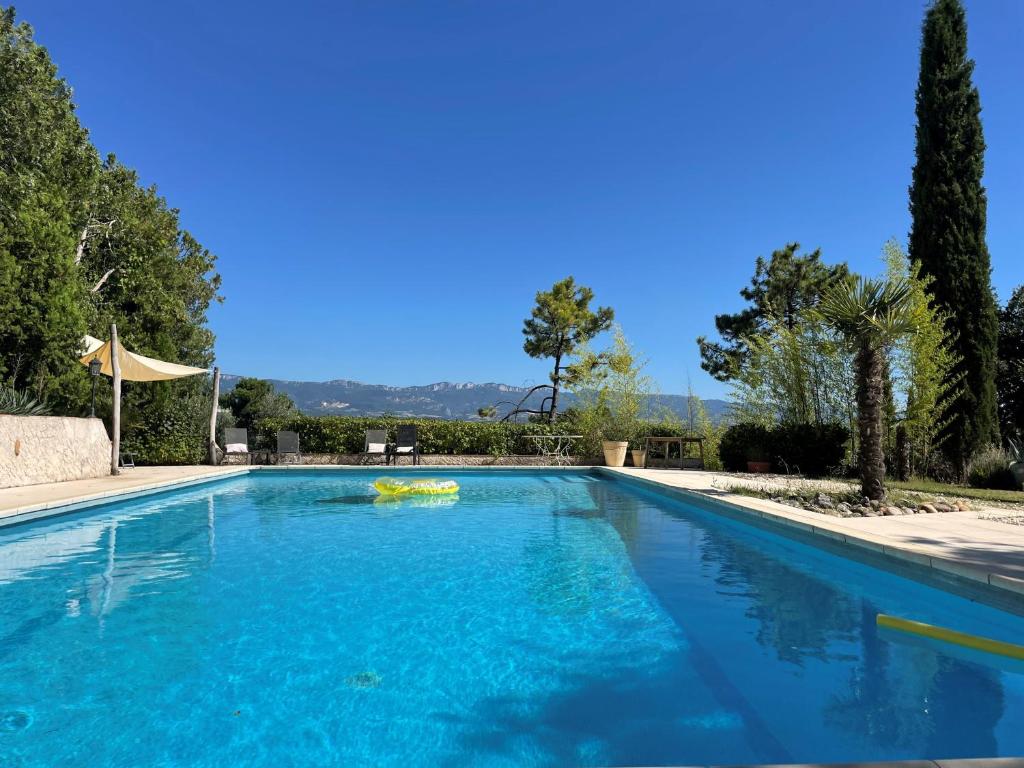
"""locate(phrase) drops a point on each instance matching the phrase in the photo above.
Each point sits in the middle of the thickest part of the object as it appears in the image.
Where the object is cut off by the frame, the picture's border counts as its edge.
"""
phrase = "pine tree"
(783, 289)
(947, 236)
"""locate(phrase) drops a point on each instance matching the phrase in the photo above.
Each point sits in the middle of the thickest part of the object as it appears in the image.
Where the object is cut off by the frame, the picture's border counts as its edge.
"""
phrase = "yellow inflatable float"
(975, 642)
(414, 486)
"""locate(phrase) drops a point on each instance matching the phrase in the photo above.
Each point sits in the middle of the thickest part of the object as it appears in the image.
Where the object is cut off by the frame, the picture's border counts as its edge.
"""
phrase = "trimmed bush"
(807, 449)
(741, 443)
(346, 434)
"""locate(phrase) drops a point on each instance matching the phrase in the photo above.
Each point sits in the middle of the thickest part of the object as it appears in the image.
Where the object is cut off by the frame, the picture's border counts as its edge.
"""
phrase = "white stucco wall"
(49, 449)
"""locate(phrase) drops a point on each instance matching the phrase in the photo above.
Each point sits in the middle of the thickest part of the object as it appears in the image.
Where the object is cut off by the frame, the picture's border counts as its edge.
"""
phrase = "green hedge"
(808, 449)
(346, 434)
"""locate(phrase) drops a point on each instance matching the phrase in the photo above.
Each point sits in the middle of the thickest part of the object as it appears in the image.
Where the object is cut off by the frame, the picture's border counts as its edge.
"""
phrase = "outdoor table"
(555, 447)
(684, 462)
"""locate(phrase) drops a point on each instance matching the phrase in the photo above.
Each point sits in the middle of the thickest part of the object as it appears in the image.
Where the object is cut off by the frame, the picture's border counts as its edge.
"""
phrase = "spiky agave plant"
(871, 314)
(16, 403)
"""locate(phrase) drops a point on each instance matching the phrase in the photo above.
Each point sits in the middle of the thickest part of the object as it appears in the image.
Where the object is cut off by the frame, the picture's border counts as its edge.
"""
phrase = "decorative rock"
(908, 510)
(891, 511)
(941, 506)
(844, 509)
(930, 509)
(875, 504)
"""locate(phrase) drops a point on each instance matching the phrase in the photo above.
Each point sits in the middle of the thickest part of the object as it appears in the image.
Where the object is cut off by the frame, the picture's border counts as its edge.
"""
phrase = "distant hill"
(443, 400)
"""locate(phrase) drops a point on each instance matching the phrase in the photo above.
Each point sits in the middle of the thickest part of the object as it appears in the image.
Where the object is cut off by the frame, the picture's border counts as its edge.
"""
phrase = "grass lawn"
(963, 491)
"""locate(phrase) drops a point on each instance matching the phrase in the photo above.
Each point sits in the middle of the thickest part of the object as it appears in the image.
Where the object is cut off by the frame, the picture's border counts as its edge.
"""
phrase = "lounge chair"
(376, 445)
(288, 444)
(406, 445)
(236, 443)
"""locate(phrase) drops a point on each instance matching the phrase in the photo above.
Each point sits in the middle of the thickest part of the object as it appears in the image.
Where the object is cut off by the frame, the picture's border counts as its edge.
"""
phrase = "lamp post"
(94, 370)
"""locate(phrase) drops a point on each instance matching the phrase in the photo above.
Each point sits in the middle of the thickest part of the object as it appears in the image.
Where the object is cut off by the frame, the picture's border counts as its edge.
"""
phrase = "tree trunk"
(213, 417)
(870, 363)
(115, 419)
(902, 453)
(554, 388)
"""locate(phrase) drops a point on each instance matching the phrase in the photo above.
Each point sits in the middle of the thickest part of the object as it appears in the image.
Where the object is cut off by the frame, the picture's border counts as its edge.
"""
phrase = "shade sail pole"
(213, 416)
(115, 442)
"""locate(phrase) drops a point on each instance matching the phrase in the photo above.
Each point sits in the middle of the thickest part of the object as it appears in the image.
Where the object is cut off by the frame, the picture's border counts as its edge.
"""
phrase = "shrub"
(808, 449)
(741, 443)
(990, 468)
(14, 402)
(170, 432)
(346, 434)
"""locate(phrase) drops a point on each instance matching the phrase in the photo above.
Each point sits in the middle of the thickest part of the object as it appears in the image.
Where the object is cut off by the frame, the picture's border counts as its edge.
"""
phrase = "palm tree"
(871, 314)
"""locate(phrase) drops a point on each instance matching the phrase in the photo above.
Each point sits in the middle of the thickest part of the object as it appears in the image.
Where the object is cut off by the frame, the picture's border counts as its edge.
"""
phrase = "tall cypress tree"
(947, 236)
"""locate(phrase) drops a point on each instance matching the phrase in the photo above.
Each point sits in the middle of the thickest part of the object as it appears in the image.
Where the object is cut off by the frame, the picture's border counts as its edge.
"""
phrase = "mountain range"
(442, 400)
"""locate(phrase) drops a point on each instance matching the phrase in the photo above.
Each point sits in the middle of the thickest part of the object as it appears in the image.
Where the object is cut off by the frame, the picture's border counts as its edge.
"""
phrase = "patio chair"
(376, 445)
(288, 445)
(236, 443)
(406, 444)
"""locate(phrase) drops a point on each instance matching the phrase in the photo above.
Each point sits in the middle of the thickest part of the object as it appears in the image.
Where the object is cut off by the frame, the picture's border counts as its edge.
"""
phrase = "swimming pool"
(539, 618)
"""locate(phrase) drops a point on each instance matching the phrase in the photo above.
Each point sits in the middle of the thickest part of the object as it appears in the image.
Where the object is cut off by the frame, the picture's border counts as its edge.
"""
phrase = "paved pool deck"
(959, 544)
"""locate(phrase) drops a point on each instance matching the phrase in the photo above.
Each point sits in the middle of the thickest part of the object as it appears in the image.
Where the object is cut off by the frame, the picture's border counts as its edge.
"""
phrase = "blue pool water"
(538, 619)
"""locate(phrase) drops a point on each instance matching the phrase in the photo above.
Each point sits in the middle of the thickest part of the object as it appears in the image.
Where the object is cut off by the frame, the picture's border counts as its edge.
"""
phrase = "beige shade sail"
(134, 367)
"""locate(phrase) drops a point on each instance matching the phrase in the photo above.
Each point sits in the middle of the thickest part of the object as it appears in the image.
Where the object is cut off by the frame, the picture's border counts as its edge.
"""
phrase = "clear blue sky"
(387, 184)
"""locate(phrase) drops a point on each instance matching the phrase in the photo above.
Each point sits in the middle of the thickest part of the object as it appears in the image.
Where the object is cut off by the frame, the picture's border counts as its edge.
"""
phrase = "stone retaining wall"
(51, 449)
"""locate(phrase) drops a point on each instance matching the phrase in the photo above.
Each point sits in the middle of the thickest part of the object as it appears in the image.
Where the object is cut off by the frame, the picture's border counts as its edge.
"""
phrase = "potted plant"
(639, 452)
(612, 393)
(757, 459)
(614, 451)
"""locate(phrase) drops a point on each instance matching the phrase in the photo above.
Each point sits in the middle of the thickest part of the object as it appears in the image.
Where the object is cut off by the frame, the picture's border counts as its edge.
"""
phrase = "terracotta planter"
(614, 452)
(759, 467)
(639, 457)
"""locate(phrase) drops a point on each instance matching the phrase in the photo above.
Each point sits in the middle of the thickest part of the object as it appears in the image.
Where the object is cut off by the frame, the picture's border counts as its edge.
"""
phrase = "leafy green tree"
(253, 400)
(47, 172)
(782, 291)
(1011, 364)
(872, 314)
(613, 394)
(947, 237)
(798, 375)
(559, 325)
(924, 363)
(699, 424)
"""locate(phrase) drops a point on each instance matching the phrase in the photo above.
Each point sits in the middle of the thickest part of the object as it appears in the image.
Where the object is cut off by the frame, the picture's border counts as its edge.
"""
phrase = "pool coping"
(820, 529)
(1008, 589)
(69, 504)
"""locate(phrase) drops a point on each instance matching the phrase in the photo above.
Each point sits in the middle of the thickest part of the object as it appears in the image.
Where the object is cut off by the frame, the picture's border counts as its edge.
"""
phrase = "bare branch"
(103, 279)
(84, 237)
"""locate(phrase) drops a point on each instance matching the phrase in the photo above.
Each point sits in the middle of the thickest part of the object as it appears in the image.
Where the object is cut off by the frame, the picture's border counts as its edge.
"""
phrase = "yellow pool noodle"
(952, 636)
